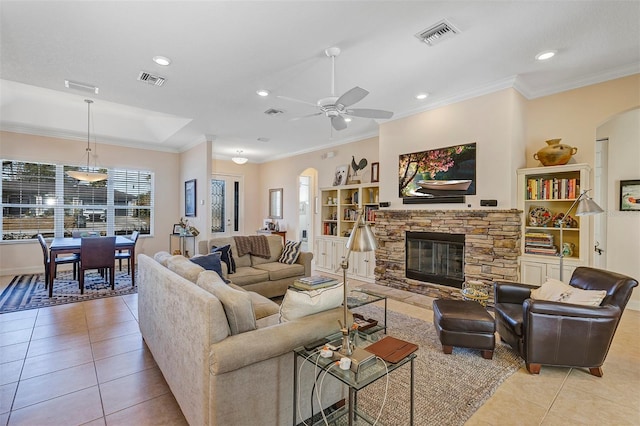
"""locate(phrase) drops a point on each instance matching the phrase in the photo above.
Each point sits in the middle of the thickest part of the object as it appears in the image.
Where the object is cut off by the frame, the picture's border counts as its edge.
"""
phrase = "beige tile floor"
(86, 364)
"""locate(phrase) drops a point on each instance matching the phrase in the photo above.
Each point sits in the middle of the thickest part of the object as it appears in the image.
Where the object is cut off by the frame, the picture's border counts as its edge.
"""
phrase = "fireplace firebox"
(435, 257)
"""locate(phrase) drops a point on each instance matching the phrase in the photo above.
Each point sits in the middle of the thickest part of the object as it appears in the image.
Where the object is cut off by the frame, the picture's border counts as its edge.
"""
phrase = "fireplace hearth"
(491, 246)
(435, 257)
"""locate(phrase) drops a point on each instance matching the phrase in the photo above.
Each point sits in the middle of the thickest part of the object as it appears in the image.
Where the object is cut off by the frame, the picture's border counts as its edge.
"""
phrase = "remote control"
(313, 345)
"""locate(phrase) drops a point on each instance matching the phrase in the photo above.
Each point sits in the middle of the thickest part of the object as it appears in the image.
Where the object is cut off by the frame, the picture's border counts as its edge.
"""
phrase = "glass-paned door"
(226, 205)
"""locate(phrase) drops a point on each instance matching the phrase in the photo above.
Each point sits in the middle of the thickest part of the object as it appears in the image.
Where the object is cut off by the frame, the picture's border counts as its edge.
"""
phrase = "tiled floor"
(86, 363)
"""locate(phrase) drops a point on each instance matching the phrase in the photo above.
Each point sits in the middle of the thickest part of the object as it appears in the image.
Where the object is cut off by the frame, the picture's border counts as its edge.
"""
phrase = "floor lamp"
(361, 239)
(586, 207)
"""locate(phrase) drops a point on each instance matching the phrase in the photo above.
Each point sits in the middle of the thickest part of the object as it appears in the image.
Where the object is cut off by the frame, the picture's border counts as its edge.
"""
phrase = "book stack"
(314, 283)
(539, 243)
(553, 189)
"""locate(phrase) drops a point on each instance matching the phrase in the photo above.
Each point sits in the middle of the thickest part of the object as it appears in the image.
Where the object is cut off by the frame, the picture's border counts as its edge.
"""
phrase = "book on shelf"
(314, 282)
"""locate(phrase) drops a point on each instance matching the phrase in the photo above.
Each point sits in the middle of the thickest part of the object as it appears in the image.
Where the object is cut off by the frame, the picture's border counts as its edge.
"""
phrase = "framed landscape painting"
(190, 198)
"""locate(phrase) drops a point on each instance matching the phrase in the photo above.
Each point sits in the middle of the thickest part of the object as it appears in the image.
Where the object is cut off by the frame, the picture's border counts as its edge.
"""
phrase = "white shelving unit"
(337, 218)
(553, 188)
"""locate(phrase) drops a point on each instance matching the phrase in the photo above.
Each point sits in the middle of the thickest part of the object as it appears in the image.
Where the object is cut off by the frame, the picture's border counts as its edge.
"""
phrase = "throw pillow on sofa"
(557, 291)
(227, 257)
(298, 304)
(237, 304)
(210, 262)
(290, 252)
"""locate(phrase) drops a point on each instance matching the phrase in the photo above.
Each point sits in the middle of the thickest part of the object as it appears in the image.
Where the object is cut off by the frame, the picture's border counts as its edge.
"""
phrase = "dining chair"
(126, 253)
(97, 253)
(74, 259)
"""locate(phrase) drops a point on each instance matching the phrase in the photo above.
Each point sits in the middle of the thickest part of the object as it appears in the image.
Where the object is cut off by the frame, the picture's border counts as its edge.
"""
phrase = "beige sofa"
(267, 277)
(220, 378)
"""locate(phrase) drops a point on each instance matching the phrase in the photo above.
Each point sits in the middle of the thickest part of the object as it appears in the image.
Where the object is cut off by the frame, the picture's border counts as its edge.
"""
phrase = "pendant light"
(239, 159)
(88, 175)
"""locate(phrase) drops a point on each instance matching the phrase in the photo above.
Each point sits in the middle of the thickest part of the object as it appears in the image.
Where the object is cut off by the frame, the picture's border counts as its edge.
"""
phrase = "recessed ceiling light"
(547, 54)
(262, 92)
(162, 60)
(347, 119)
(421, 96)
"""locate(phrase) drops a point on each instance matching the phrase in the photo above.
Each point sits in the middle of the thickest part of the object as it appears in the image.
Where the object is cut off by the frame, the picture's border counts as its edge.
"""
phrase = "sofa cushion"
(557, 291)
(298, 304)
(247, 275)
(226, 257)
(237, 304)
(275, 250)
(184, 267)
(290, 252)
(162, 257)
(210, 262)
(239, 260)
(278, 271)
(262, 307)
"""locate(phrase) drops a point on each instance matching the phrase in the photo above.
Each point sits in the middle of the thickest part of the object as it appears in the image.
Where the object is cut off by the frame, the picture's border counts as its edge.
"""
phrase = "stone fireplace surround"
(492, 245)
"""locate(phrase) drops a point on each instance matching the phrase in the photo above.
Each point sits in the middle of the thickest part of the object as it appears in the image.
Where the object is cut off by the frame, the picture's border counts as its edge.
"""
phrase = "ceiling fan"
(336, 108)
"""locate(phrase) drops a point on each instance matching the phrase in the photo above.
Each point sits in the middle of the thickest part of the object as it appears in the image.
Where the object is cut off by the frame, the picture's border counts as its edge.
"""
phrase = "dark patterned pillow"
(290, 252)
(227, 257)
(210, 262)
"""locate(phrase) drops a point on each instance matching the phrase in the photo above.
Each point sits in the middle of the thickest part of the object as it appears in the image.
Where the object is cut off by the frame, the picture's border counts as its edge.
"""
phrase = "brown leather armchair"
(561, 334)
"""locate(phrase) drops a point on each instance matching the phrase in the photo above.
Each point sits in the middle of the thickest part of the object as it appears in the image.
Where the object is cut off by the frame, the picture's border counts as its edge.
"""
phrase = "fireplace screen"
(435, 257)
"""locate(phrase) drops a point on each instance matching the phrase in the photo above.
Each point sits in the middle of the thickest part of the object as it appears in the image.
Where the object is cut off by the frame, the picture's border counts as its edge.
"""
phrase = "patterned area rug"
(448, 389)
(28, 292)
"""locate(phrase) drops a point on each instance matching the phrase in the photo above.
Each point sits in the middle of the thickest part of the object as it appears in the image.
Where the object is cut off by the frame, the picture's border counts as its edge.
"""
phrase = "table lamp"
(361, 239)
(586, 207)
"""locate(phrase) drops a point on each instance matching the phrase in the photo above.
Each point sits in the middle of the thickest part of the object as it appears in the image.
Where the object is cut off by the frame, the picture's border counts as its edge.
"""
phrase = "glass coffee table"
(357, 298)
(373, 371)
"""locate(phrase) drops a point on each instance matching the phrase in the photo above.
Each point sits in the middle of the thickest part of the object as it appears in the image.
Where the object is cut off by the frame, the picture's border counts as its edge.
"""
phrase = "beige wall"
(194, 164)
(26, 257)
(492, 121)
(623, 228)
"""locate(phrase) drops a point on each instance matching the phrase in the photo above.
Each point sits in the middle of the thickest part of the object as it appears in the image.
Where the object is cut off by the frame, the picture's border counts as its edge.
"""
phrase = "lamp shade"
(362, 238)
(587, 207)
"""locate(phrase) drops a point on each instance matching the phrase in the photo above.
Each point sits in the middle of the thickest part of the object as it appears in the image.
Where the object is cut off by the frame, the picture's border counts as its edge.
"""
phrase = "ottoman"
(465, 324)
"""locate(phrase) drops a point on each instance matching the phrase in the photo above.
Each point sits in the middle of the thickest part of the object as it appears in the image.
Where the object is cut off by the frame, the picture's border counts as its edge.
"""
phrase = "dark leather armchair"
(561, 334)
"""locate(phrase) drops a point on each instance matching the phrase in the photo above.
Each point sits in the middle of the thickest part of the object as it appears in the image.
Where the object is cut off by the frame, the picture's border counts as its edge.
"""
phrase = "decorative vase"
(567, 249)
(555, 153)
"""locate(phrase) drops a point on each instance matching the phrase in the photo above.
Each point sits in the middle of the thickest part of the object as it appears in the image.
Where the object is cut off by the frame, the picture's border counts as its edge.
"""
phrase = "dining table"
(61, 245)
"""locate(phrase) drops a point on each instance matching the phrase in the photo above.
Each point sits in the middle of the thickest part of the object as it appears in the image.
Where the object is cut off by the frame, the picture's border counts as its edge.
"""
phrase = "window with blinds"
(41, 199)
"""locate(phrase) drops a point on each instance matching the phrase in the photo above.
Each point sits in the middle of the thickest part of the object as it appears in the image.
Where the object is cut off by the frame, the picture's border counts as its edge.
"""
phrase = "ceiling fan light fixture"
(162, 60)
(347, 119)
(239, 159)
(547, 54)
(88, 175)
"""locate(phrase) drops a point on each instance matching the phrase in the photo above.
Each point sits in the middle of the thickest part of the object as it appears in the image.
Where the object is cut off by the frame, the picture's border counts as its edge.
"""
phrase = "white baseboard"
(30, 270)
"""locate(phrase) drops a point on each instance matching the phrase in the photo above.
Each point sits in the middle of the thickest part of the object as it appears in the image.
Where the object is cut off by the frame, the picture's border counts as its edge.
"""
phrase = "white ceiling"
(223, 51)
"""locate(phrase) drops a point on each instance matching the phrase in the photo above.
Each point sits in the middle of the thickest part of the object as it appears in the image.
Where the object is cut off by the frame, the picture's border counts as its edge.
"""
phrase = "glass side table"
(369, 374)
(357, 298)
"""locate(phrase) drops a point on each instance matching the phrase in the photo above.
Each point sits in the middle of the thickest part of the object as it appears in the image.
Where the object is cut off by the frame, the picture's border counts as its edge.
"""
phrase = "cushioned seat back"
(617, 286)
(275, 250)
(223, 241)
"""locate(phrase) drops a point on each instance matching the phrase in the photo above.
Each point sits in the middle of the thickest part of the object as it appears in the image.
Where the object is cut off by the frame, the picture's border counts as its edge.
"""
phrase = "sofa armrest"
(251, 347)
(304, 259)
(506, 292)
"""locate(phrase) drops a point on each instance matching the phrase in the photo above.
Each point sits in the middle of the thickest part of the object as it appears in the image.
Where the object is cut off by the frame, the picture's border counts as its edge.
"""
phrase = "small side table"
(182, 244)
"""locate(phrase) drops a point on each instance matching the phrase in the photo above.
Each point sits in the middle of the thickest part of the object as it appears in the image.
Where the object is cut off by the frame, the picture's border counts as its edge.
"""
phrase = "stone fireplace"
(489, 241)
(435, 257)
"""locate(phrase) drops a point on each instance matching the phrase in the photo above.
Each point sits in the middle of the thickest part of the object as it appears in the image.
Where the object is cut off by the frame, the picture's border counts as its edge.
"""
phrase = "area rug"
(448, 389)
(28, 291)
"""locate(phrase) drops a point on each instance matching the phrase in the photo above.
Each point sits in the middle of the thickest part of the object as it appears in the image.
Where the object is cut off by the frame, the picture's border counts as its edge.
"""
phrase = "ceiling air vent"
(437, 33)
(273, 112)
(149, 78)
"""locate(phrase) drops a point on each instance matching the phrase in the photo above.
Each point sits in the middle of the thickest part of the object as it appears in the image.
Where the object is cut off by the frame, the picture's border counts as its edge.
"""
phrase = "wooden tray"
(364, 323)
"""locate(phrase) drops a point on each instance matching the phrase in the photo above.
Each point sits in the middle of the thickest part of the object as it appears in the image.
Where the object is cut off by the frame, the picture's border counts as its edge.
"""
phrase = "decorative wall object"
(341, 176)
(630, 195)
(375, 172)
(275, 203)
(190, 198)
(443, 175)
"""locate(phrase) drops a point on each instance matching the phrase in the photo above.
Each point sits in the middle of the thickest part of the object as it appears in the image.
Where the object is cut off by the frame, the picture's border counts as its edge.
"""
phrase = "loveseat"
(267, 277)
(223, 366)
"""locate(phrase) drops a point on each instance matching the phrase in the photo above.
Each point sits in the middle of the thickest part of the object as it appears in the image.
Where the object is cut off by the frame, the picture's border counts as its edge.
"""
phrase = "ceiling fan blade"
(286, 98)
(352, 96)
(369, 113)
(305, 116)
(338, 122)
